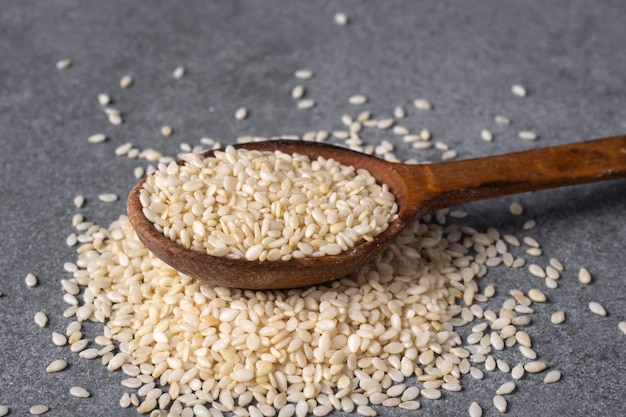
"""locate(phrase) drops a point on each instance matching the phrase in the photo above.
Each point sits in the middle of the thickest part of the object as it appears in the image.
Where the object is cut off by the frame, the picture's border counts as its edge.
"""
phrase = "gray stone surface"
(463, 56)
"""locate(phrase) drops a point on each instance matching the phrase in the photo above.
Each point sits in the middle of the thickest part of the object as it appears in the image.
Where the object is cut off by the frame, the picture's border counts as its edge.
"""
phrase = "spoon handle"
(458, 182)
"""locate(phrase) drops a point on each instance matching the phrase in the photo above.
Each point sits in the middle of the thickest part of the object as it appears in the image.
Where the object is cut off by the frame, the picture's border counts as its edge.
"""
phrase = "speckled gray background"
(463, 56)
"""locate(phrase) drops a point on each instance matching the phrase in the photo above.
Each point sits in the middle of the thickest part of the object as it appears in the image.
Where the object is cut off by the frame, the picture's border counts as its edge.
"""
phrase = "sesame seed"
(341, 19)
(518, 371)
(527, 135)
(79, 392)
(30, 280)
(399, 113)
(179, 72)
(126, 81)
(537, 296)
(303, 74)
(506, 388)
(64, 63)
(519, 90)
(38, 409)
(622, 326)
(79, 201)
(499, 402)
(104, 99)
(4, 410)
(552, 376)
(166, 131)
(597, 308)
(41, 319)
(475, 410)
(306, 104)
(536, 270)
(56, 366)
(516, 209)
(584, 276)
(557, 317)
(297, 92)
(241, 113)
(486, 135)
(97, 138)
(502, 120)
(422, 104)
(529, 224)
(357, 99)
(535, 367)
(108, 197)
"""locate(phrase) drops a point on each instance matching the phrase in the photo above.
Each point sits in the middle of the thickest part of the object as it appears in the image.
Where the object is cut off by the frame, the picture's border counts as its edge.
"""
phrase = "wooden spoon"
(419, 190)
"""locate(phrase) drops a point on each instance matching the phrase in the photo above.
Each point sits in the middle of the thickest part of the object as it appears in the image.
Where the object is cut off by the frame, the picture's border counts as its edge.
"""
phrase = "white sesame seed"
(475, 410)
(536, 270)
(557, 317)
(552, 376)
(449, 154)
(357, 99)
(30, 280)
(97, 138)
(59, 339)
(399, 113)
(126, 81)
(584, 276)
(506, 388)
(597, 308)
(341, 19)
(79, 201)
(516, 209)
(500, 403)
(115, 119)
(527, 135)
(557, 264)
(179, 72)
(108, 197)
(79, 392)
(64, 63)
(422, 104)
(486, 135)
(536, 295)
(409, 405)
(303, 74)
(104, 99)
(38, 409)
(41, 319)
(241, 113)
(297, 92)
(622, 326)
(519, 90)
(56, 366)
(529, 224)
(166, 131)
(431, 393)
(4, 410)
(518, 371)
(535, 366)
(502, 120)
(306, 104)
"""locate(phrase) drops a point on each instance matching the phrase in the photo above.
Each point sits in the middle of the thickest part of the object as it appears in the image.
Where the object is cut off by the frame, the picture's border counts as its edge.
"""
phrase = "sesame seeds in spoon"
(417, 191)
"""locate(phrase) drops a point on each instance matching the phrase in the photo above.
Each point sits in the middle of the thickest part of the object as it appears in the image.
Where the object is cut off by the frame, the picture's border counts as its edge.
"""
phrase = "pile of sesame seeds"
(460, 254)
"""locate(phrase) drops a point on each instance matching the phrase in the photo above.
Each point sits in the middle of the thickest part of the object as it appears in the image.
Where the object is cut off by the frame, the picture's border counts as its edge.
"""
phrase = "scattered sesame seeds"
(97, 138)
(303, 74)
(516, 209)
(584, 276)
(552, 376)
(30, 280)
(179, 72)
(166, 131)
(41, 319)
(519, 90)
(241, 113)
(39, 409)
(597, 308)
(357, 99)
(79, 392)
(423, 104)
(306, 103)
(107, 197)
(527, 135)
(341, 19)
(64, 63)
(56, 366)
(622, 326)
(486, 135)
(126, 81)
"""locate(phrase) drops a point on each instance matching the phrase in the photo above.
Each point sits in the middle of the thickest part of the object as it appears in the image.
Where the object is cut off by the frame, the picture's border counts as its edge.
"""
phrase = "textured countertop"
(462, 56)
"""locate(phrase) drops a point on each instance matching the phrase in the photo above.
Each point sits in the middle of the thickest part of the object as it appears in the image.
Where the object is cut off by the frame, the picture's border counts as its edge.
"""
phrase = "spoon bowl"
(418, 189)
